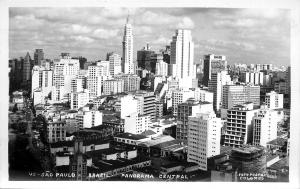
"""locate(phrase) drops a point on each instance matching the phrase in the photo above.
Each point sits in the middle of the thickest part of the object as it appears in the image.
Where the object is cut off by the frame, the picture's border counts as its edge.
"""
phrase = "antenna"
(127, 20)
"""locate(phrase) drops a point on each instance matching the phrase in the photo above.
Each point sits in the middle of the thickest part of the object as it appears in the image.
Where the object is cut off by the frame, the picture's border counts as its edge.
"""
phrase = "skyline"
(259, 34)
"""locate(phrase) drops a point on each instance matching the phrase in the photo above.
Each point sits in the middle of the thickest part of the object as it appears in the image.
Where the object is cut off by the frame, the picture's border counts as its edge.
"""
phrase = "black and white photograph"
(172, 93)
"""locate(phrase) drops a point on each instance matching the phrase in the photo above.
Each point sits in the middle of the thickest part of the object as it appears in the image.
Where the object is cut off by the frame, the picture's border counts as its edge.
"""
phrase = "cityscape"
(166, 108)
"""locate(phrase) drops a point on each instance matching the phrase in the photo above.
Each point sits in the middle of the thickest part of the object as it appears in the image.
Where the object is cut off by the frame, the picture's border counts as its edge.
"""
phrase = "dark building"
(166, 54)
(212, 64)
(26, 72)
(249, 159)
(144, 56)
(38, 56)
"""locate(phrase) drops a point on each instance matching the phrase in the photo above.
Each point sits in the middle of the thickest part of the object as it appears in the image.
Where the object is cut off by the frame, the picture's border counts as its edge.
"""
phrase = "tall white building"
(256, 78)
(182, 55)
(215, 85)
(127, 57)
(115, 64)
(94, 81)
(104, 68)
(204, 135)
(136, 124)
(264, 127)
(274, 100)
(65, 69)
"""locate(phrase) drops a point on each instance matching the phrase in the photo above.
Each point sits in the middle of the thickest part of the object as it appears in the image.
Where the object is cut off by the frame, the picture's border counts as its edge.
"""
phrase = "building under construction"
(249, 159)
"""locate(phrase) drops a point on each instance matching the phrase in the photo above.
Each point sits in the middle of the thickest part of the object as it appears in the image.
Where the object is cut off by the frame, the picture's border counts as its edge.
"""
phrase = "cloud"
(105, 33)
(84, 39)
(186, 23)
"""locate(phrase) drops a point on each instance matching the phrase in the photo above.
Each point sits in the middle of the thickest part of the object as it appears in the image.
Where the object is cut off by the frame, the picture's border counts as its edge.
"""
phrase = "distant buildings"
(274, 100)
(38, 56)
(131, 82)
(114, 64)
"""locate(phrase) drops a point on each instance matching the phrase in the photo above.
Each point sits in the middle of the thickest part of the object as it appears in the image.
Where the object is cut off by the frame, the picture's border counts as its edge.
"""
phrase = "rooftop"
(131, 136)
(278, 142)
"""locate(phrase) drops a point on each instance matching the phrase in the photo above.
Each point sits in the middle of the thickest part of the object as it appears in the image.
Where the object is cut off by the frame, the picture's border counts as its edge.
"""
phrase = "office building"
(147, 103)
(131, 82)
(255, 78)
(274, 100)
(203, 95)
(38, 56)
(136, 124)
(127, 57)
(239, 125)
(182, 55)
(128, 105)
(113, 86)
(65, 69)
(26, 69)
(114, 64)
(186, 109)
(240, 94)
(178, 97)
(264, 127)
(204, 134)
(161, 68)
(213, 64)
(79, 99)
(42, 80)
(144, 56)
(94, 81)
(86, 118)
(215, 85)
(56, 130)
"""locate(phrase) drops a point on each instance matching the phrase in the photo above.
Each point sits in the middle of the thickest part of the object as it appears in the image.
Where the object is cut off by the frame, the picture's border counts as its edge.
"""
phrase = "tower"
(127, 57)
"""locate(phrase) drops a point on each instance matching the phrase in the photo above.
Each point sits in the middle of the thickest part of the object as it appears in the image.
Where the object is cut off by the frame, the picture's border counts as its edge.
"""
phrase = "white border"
(293, 5)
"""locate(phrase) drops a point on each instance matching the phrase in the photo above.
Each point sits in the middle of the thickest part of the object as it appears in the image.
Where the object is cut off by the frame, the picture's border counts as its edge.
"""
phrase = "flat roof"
(131, 136)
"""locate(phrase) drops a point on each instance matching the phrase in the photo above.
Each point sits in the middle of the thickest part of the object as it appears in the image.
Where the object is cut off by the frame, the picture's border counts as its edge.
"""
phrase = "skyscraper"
(38, 56)
(182, 55)
(27, 68)
(127, 58)
(213, 64)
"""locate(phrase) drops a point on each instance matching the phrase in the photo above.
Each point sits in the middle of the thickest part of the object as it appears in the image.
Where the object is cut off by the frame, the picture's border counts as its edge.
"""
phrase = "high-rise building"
(127, 57)
(136, 124)
(128, 105)
(182, 55)
(143, 56)
(147, 101)
(186, 109)
(204, 135)
(38, 56)
(239, 127)
(114, 64)
(79, 99)
(131, 82)
(255, 78)
(213, 64)
(42, 80)
(180, 96)
(65, 69)
(161, 68)
(215, 85)
(264, 127)
(113, 86)
(203, 95)
(104, 68)
(239, 94)
(274, 100)
(27, 67)
(94, 81)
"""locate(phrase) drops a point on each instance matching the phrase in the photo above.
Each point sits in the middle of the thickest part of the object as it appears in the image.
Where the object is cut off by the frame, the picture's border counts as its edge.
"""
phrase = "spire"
(127, 20)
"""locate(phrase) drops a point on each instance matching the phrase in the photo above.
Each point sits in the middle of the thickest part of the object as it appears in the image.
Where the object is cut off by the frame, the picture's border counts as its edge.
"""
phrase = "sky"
(250, 36)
